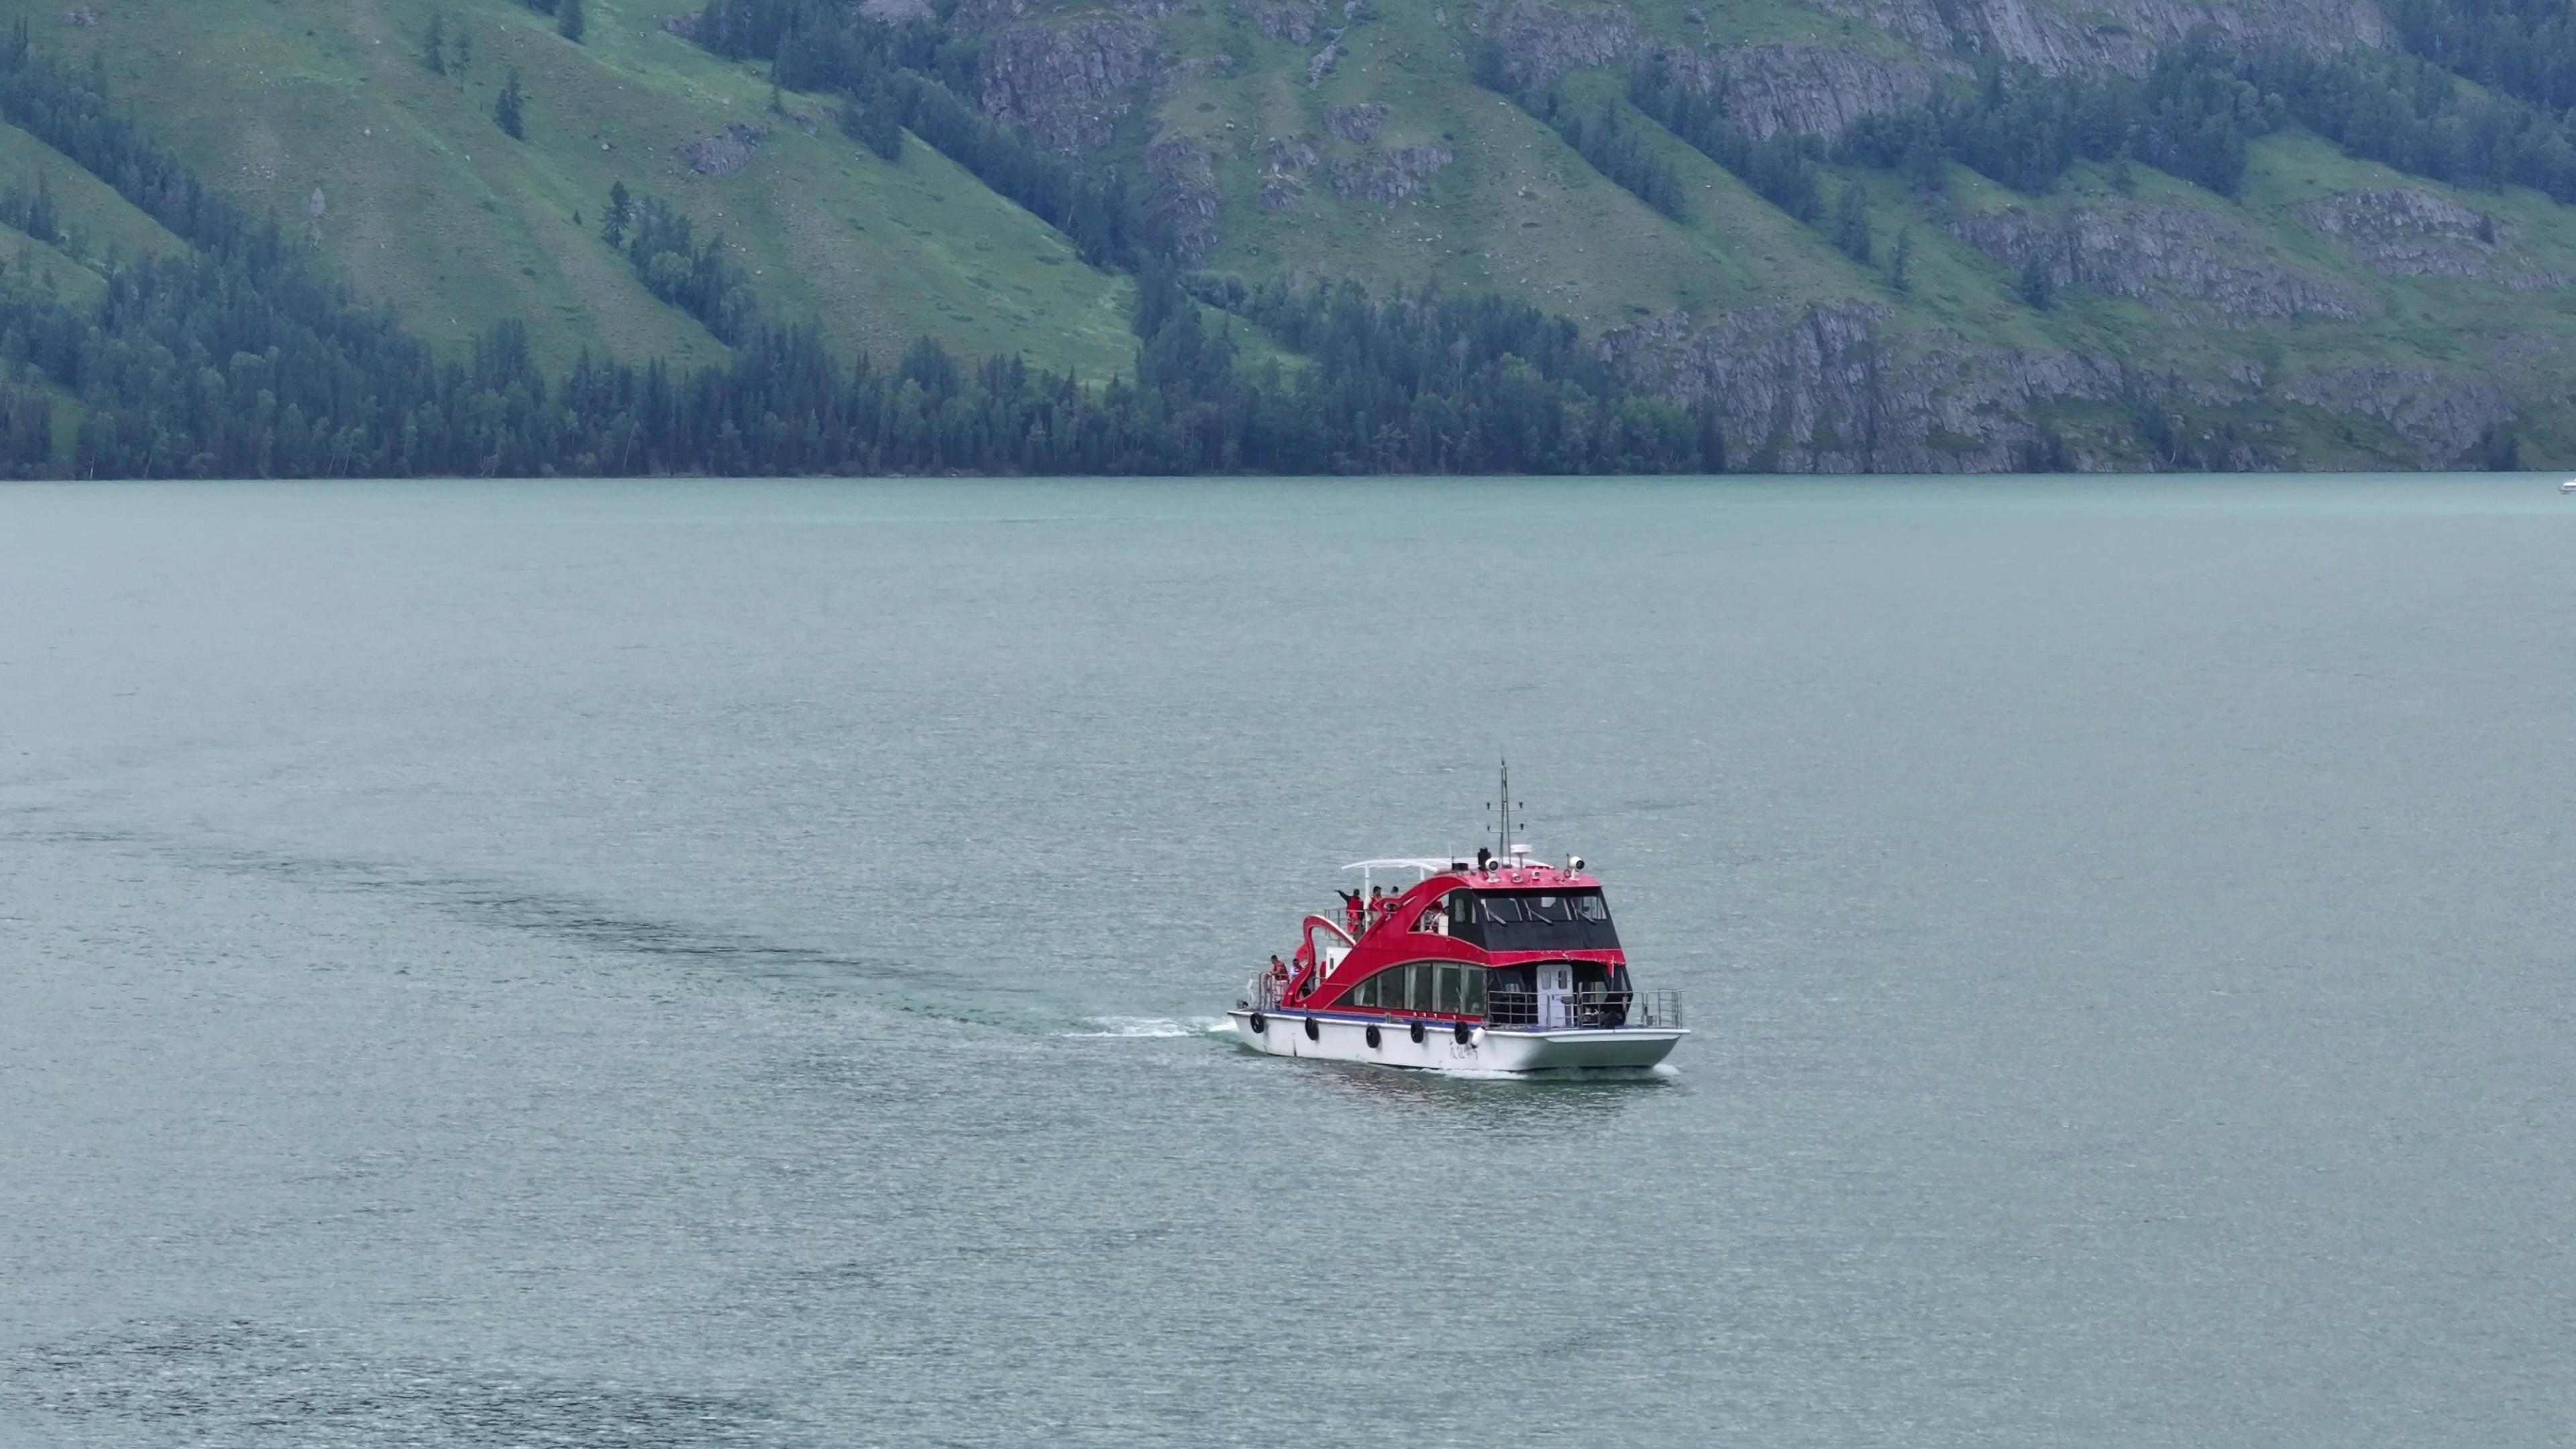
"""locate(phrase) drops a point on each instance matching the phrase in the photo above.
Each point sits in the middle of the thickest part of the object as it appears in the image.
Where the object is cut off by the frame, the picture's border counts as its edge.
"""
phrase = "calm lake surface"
(713, 963)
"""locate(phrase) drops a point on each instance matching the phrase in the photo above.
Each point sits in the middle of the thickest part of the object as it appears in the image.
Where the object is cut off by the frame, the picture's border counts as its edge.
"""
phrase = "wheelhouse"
(1502, 942)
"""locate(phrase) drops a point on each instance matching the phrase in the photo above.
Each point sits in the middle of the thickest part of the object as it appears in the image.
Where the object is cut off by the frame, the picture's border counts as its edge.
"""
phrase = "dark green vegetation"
(316, 384)
(544, 235)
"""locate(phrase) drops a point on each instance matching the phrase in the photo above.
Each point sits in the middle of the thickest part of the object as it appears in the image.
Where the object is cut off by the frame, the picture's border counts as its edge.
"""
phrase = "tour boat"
(1500, 964)
(2567, 486)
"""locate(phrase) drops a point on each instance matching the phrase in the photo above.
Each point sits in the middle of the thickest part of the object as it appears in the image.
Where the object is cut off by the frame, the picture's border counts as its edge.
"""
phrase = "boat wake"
(1150, 1026)
(1659, 1072)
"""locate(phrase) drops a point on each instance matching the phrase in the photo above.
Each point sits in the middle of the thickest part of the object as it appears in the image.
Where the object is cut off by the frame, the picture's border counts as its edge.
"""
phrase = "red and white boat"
(1499, 964)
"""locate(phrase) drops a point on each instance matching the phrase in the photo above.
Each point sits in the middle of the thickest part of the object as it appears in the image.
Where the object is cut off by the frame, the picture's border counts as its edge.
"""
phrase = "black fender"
(1372, 1038)
(1417, 1033)
(1466, 1033)
(1259, 1026)
(1311, 1033)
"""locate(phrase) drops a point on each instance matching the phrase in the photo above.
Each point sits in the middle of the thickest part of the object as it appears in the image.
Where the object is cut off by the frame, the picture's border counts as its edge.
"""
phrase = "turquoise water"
(712, 963)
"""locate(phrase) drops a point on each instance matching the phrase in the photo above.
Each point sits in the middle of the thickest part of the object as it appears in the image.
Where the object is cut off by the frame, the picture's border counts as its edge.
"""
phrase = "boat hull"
(1340, 1038)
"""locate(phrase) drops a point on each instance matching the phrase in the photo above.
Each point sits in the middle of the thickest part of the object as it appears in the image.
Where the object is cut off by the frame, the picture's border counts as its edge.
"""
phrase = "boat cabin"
(1504, 942)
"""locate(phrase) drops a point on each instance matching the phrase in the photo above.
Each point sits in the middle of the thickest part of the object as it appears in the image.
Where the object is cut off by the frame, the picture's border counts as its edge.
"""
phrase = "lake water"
(711, 963)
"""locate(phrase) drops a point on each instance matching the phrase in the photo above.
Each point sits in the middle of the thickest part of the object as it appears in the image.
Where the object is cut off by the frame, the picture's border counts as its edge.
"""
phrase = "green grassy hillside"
(2308, 308)
(429, 206)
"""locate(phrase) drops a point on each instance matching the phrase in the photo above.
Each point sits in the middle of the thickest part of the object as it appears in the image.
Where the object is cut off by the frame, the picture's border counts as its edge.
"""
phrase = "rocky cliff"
(2195, 264)
(2403, 231)
(2113, 34)
(1807, 90)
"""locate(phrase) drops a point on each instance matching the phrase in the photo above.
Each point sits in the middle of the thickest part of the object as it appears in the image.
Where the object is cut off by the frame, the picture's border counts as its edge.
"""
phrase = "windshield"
(1532, 920)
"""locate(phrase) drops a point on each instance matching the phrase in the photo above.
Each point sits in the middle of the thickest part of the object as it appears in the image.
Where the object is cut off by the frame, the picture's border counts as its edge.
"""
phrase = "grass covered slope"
(1782, 265)
(427, 205)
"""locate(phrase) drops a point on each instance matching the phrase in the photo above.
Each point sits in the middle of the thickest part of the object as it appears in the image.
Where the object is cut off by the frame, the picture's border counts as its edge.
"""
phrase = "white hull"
(1340, 1038)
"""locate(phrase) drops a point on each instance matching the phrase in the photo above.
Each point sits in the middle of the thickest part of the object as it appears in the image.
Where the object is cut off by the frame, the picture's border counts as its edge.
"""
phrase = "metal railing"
(1261, 993)
(1588, 1010)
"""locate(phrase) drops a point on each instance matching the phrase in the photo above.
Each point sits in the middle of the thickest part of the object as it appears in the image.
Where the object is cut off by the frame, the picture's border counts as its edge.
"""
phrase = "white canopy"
(1428, 865)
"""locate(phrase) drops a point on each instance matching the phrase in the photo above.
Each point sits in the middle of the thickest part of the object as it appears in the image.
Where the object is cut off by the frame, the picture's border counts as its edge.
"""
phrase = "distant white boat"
(2569, 486)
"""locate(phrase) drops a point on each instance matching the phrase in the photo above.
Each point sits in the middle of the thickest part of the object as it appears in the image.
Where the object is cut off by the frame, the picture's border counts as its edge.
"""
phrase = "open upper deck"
(1495, 906)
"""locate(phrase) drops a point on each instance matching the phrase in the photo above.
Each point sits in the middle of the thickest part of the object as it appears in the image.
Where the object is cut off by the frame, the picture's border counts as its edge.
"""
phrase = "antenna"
(1503, 845)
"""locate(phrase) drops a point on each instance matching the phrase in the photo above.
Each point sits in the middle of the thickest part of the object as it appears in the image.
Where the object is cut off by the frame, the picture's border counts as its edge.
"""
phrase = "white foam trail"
(1558, 1074)
(1150, 1026)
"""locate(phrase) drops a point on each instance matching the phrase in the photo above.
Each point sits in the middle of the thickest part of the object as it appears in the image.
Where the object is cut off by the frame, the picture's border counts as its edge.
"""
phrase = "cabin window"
(1533, 920)
(1448, 988)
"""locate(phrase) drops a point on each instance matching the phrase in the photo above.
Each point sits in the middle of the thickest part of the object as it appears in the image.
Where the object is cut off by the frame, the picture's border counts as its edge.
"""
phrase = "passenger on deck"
(1377, 906)
(1351, 910)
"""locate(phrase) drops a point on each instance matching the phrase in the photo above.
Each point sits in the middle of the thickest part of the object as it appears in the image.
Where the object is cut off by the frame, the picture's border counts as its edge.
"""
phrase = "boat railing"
(1261, 993)
(1587, 1010)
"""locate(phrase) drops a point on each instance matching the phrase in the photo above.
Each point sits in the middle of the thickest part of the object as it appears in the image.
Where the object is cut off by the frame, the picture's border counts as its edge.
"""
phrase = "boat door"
(1555, 995)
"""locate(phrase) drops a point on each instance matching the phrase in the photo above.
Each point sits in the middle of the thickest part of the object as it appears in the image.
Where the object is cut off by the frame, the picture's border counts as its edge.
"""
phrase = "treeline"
(697, 277)
(31, 209)
(2524, 48)
(897, 77)
(2199, 106)
(2410, 114)
(2192, 114)
(1596, 132)
(237, 361)
(190, 368)
(1781, 168)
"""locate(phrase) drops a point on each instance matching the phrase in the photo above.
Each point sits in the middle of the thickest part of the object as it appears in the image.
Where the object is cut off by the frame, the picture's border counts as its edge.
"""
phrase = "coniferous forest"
(247, 356)
(240, 361)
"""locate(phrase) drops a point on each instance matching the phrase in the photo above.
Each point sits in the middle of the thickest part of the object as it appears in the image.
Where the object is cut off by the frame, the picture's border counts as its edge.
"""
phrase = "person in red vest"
(1351, 910)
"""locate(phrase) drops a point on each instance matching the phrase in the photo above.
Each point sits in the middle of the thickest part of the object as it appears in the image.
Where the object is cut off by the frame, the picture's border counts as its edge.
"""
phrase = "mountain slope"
(1834, 295)
(428, 205)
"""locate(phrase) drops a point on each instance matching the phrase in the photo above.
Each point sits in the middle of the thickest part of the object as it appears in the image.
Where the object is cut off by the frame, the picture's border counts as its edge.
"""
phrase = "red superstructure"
(1481, 941)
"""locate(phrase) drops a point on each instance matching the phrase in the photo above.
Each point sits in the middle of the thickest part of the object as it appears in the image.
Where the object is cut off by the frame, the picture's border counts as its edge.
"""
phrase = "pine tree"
(1900, 268)
(569, 21)
(508, 111)
(434, 45)
(2036, 286)
(1851, 223)
(621, 210)
(464, 49)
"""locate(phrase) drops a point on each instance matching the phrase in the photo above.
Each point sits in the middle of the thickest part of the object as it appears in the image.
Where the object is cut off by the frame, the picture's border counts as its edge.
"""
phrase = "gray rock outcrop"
(1806, 90)
(1294, 21)
(2110, 34)
(1819, 389)
(1067, 83)
(1542, 42)
(2180, 260)
(2440, 415)
(1180, 174)
(1284, 168)
(2403, 232)
(725, 154)
(1356, 123)
(1389, 176)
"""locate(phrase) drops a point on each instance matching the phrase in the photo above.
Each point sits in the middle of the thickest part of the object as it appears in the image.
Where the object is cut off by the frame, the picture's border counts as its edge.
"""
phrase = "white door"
(1555, 990)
